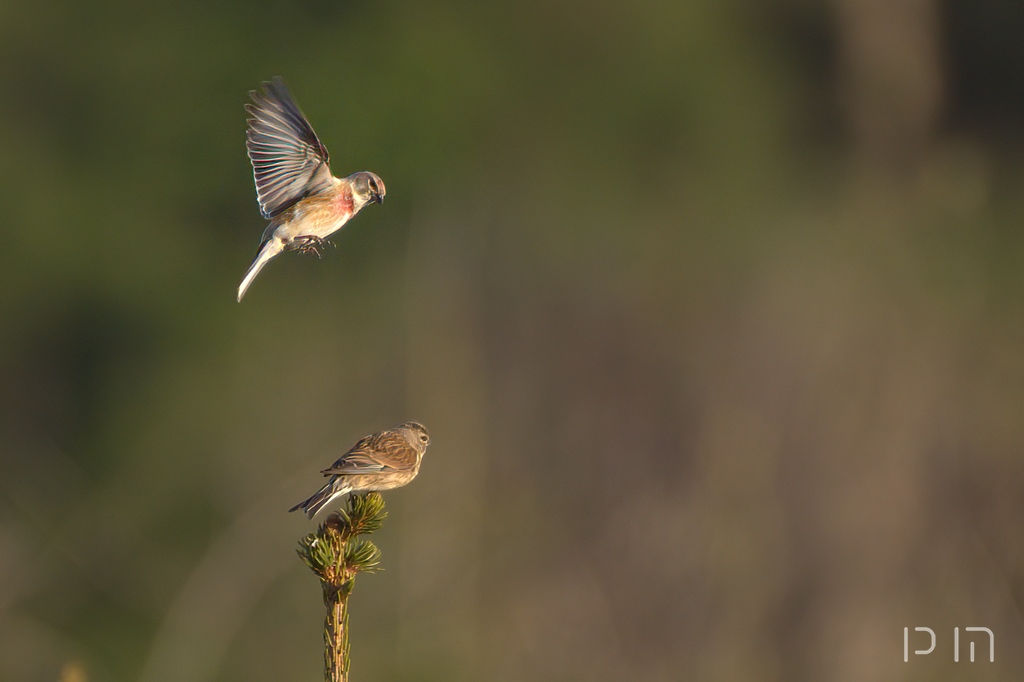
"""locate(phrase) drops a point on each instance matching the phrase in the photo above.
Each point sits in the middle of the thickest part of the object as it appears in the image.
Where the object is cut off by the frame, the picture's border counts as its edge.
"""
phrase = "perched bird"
(382, 461)
(296, 191)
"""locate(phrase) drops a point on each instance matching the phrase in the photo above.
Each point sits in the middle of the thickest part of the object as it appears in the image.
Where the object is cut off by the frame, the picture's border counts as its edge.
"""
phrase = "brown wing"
(288, 160)
(382, 452)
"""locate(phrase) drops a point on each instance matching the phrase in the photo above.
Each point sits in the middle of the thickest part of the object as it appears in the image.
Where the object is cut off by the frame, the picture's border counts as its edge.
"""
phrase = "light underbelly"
(318, 228)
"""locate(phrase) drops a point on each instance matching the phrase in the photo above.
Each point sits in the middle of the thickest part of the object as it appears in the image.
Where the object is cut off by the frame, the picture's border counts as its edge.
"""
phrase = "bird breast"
(320, 215)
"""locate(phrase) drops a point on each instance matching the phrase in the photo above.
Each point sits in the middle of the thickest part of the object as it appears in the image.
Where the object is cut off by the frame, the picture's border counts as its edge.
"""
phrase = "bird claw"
(309, 243)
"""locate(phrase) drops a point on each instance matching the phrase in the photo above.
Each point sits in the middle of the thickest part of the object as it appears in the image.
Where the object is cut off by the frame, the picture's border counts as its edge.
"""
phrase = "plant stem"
(336, 632)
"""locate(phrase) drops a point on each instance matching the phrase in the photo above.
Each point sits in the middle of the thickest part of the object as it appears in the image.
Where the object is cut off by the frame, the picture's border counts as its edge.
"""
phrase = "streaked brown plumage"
(296, 191)
(381, 461)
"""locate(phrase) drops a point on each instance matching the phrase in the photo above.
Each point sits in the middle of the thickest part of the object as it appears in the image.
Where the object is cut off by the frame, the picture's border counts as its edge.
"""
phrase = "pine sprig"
(363, 556)
(362, 515)
(335, 553)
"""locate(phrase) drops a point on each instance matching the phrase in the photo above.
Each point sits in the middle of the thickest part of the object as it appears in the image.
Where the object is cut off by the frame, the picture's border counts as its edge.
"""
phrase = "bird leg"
(309, 243)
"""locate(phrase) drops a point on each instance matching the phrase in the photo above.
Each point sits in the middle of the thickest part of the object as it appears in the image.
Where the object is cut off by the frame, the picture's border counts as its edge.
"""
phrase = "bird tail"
(268, 250)
(336, 487)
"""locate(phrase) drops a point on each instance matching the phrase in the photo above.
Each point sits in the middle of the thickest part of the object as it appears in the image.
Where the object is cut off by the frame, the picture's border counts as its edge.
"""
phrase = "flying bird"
(381, 461)
(296, 191)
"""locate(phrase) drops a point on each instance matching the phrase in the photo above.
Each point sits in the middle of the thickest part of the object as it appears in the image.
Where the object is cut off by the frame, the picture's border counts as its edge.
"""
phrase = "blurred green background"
(715, 311)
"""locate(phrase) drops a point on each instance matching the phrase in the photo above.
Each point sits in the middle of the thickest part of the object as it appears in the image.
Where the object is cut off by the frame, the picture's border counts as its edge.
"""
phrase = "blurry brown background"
(715, 311)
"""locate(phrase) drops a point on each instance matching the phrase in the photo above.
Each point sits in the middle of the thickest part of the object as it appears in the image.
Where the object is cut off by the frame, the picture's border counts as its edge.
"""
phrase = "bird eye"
(424, 437)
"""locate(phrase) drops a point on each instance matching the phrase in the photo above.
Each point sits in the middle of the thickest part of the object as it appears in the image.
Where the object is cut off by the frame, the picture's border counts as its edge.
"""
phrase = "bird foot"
(309, 243)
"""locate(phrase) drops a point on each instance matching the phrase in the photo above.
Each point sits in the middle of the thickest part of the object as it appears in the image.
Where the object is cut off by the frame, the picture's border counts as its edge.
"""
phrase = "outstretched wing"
(383, 452)
(288, 160)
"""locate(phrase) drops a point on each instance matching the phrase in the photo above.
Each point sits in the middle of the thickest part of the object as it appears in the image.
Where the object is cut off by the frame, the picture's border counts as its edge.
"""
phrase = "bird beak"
(379, 198)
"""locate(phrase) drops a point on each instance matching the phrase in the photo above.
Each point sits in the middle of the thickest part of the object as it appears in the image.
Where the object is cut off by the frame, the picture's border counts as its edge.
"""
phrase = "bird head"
(417, 435)
(366, 188)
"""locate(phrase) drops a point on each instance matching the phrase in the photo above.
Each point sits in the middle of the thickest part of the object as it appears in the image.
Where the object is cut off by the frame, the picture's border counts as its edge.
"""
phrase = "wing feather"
(380, 453)
(288, 160)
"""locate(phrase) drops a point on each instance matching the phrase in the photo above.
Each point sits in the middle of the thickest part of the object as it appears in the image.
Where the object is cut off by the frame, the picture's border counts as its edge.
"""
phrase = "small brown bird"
(382, 461)
(297, 193)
